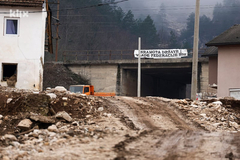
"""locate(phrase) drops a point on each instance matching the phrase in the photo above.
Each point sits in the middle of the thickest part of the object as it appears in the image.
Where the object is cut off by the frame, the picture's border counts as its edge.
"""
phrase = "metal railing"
(89, 55)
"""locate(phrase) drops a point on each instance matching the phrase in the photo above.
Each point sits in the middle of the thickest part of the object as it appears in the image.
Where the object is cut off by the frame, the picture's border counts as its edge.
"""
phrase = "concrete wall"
(204, 87)
(213, 65)
(228, 69)
(25, 49)
(121, 78)
(103, 77)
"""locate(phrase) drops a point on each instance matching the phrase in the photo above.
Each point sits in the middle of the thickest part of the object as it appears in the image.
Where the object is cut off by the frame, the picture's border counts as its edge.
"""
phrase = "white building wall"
(25, 49)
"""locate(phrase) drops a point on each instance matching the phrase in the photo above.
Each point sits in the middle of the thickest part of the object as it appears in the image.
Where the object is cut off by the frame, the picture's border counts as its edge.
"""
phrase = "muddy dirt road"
(123, 128)
(169, 135)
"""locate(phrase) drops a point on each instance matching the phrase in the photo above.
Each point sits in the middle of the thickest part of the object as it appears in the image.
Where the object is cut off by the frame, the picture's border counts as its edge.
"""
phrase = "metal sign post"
(139, 68)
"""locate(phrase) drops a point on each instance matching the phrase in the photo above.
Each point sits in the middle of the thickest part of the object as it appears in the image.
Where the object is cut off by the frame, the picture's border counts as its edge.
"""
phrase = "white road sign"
(162, 53)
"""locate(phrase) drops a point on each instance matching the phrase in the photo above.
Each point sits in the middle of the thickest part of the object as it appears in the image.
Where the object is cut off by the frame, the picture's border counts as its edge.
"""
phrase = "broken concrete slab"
(44, 119)
(25, 124)
(64, 115)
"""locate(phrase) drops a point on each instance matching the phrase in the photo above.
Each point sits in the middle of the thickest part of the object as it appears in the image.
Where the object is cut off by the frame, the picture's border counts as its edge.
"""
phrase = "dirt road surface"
(131, 128)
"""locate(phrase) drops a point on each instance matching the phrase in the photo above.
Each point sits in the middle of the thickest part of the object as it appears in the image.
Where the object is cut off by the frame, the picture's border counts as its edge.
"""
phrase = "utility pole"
(57, 37)
(195, 53)
(139, 68)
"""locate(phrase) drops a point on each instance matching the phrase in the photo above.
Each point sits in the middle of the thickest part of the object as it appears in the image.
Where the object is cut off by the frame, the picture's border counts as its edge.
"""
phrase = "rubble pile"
(216, 114)
(34, 122)
(22, 110)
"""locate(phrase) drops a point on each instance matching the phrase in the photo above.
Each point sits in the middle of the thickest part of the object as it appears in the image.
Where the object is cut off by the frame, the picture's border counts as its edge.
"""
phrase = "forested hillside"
(225, 15)
(89, 25)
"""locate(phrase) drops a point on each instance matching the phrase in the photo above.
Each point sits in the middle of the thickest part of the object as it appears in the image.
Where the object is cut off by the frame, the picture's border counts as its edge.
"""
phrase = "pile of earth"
(56, 74)
(17, 105)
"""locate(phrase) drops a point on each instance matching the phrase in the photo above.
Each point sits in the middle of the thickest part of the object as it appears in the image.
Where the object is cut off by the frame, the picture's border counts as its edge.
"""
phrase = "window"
(86, 89)
(8, 71)
(11, 26)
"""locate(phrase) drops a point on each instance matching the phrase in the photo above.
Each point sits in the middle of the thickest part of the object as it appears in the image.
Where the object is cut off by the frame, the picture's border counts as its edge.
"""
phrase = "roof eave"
(222, 44)
(22, 4)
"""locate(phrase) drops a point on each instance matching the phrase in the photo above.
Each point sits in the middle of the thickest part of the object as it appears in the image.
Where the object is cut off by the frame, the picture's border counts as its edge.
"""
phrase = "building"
(22, 42)
(224, 62)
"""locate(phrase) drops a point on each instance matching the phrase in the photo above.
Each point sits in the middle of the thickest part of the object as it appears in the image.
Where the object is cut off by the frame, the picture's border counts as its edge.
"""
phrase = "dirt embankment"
(115, 127)
(59, 75)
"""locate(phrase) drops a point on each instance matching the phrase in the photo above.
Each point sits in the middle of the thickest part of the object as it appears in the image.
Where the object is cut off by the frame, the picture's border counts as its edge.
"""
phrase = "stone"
(60, 89)
(70, 133)
(15, 144)
(75, 123)
(233, 124)
(35, 92)
(25, 124)
(194, 106)
(5, 158)
(217, 103)
(1, 117)
(100, 109)
(88, 116)
(52, 95)
(44, 119)
(53, 128)
(216, 124)
(203, 115)
(64, 115)
(10, 137)
(1, 122)
(64, 98)
(37, 131)
(9, 100)
(58, 124)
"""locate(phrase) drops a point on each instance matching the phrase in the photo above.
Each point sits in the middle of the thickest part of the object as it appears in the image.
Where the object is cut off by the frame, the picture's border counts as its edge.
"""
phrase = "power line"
(79, 8)
(141, 9)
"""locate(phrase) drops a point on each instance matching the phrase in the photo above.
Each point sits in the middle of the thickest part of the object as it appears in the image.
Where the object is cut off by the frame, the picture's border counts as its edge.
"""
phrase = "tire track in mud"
(140, 111)
(123, 110)
(182, 139)
(165, 110)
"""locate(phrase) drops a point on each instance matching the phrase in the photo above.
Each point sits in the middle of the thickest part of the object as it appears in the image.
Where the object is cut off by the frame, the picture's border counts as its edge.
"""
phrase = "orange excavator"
(89, 90)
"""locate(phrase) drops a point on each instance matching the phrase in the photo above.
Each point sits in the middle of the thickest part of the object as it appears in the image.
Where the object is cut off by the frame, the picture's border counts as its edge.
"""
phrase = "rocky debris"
(64, 115)
(43, 119)
(60, 89)
(12, 81)
(52, 95)
(53, 128)
(9, 137)
(1, 117)
(9, 100)
(25, 124)
(213, 115)
(100, 109)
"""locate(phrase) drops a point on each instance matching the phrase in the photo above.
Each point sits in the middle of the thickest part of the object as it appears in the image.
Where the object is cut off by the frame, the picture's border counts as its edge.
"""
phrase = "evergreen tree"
(128, 22)
(148, 32)
(173, 43)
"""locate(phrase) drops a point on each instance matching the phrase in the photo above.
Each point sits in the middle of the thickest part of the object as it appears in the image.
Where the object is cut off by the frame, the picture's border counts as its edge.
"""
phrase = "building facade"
(228, 64)
(22, 41)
